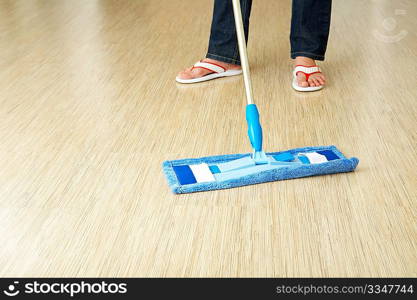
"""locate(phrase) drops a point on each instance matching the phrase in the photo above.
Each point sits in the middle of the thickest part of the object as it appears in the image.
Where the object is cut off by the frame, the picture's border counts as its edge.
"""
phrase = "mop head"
(234, 170)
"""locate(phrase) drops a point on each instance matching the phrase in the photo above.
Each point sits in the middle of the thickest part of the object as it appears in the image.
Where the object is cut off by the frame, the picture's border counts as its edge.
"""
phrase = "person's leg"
(310, 25)
(223, 44)
(223, 48)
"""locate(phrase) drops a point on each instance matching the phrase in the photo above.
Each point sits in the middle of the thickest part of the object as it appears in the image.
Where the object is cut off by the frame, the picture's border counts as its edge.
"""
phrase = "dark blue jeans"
(310, 24)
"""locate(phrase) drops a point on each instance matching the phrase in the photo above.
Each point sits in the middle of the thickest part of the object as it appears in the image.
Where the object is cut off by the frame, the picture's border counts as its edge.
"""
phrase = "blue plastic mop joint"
(255, 133)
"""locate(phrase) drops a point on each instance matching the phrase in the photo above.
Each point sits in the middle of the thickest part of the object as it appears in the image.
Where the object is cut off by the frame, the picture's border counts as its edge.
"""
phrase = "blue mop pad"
(234, 170)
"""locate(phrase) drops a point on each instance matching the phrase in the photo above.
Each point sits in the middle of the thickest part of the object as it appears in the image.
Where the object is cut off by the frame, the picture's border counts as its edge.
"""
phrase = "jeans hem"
(223, 59)
(307, 54)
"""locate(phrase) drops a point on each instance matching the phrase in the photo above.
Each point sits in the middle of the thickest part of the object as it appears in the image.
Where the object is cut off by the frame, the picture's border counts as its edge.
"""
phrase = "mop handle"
(242, 50)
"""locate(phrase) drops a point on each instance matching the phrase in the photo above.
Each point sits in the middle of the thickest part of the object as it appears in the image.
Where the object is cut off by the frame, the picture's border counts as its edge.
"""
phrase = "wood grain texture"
(89, 109)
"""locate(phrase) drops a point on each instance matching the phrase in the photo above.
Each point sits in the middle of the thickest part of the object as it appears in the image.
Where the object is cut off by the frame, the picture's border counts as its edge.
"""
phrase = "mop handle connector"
(254, 127)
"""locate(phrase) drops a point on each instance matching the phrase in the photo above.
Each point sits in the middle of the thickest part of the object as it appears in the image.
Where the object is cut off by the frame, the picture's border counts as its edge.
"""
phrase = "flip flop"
(217, 72)
(307, 71)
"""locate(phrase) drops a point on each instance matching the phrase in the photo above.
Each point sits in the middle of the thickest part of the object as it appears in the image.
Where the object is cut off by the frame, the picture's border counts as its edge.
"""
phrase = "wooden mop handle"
(242, 50)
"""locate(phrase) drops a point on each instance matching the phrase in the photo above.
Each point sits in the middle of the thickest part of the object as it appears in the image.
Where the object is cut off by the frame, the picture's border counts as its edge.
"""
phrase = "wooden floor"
(89, 110)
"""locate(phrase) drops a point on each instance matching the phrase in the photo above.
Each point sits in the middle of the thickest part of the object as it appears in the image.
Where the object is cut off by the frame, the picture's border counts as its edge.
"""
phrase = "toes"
(316, 81)
(321, 79)
(191, 73)
(301, 80)
(185, 75)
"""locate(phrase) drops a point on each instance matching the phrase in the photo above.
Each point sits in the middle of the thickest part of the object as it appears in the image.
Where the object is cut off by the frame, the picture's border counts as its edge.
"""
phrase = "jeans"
(310, 25)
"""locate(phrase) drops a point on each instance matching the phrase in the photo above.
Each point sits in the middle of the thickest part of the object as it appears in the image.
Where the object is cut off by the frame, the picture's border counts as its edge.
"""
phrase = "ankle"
(305, 61)
(221, 63)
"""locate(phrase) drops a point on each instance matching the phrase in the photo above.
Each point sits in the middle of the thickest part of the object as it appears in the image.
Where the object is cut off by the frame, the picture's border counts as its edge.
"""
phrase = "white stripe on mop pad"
(315, 158)
(202, 173)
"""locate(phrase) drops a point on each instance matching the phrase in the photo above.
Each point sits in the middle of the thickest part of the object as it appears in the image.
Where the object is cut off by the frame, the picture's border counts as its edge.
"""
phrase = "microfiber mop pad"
(234, 170)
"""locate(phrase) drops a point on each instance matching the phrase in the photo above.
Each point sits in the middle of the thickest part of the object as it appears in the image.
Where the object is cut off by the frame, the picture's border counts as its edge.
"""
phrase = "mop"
(234, 170)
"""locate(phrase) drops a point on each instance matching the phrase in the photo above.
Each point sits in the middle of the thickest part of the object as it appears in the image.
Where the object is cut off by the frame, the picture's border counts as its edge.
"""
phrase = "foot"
(317, 79)
(192, 73)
